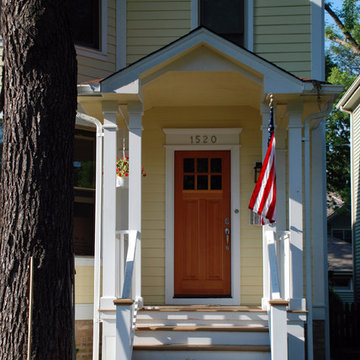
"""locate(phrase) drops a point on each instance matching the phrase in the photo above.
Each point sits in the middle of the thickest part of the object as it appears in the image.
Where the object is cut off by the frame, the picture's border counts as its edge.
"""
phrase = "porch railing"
(128, 290)
(277, 305)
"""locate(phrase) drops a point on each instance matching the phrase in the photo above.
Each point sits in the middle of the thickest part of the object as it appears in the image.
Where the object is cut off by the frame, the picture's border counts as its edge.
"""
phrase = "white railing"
(128, 290)
(277, 304)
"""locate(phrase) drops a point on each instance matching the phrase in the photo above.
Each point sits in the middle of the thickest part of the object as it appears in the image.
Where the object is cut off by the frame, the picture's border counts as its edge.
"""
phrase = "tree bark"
(39, 86)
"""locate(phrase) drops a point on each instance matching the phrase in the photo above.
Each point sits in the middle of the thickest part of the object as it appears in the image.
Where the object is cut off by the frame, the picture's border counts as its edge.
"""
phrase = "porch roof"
(203, 69)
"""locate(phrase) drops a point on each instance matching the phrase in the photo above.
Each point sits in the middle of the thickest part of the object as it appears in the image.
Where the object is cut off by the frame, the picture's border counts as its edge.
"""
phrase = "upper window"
(85, 18)
(225, 18)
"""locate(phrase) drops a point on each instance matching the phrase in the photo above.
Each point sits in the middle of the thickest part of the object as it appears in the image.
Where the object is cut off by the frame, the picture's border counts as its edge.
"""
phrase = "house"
(340, 255)
(184, 92)
(350, 103)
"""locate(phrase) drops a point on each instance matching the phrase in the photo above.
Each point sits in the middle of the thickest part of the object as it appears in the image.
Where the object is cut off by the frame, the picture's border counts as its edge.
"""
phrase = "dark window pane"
(84, 220)
(225, 17)
(215, 182)
(189, 182)
(202, 165)
(202, 182)
(84, 159)
(215, 165)
(189, 165)
(85, 22)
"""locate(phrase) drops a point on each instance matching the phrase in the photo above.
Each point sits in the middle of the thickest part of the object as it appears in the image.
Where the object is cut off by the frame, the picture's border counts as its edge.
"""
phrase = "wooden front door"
(202, 249)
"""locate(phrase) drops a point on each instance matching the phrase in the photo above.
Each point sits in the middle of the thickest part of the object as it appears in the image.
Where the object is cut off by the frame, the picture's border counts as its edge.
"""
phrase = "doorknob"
(227, 234)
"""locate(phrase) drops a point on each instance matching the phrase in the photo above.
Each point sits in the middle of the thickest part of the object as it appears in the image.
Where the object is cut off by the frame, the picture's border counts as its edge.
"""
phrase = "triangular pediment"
(203, 51)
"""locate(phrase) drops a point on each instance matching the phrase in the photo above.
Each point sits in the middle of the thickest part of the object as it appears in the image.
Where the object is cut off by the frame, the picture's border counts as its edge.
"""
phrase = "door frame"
(228, 140)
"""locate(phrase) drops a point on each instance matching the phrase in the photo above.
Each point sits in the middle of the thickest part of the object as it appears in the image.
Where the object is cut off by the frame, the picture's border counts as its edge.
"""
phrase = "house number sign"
(203, 139)
(202, 136)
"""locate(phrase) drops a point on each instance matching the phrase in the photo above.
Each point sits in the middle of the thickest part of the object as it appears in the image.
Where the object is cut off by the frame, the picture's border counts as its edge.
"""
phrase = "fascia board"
(276, 80)
(351, 97)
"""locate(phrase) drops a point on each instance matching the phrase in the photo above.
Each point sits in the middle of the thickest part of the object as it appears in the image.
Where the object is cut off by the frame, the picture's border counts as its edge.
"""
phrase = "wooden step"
(203, 328)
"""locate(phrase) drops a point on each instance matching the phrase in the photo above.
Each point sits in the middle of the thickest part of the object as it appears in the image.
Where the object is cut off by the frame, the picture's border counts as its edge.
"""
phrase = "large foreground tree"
(39, 103)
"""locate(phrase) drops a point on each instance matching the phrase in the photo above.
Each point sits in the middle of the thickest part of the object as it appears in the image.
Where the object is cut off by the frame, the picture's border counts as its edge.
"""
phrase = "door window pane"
(189, 165)
(202, 165)
(189, 182)
(202, 182)
(215, 182)
(215, 165)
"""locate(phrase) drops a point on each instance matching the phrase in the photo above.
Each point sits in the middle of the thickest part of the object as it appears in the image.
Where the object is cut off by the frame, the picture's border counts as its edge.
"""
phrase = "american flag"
(263, 199)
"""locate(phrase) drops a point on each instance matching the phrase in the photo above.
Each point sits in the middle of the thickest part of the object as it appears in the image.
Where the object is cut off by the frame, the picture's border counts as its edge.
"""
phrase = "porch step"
(201, 332)
(201, 352)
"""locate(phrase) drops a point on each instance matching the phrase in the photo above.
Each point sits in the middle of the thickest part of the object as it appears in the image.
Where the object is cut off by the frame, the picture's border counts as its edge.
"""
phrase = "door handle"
(227, 234)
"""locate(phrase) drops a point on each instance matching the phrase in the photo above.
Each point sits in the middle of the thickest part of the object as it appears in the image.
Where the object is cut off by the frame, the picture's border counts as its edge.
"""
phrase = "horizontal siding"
(84, 284)
(282, 34)
(158, 22)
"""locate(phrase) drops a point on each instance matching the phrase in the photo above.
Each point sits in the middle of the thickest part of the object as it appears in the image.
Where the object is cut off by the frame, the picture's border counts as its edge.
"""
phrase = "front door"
(202, 257)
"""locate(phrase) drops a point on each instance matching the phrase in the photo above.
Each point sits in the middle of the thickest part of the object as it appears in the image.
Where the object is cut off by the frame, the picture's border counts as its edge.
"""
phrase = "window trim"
(248, 19)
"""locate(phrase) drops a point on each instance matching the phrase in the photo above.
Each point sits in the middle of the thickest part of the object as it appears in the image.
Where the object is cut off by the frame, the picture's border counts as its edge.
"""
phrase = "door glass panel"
(189, 165)
(202, 182)
(189, 182)
(215, 182)
(215, 165)
(202, 165)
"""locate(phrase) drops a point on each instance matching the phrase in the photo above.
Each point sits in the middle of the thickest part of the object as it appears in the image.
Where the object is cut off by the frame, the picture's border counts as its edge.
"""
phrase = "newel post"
(123, 328)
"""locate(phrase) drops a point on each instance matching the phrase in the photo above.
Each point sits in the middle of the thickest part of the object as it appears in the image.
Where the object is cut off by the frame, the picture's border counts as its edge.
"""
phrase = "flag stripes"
(263, 199)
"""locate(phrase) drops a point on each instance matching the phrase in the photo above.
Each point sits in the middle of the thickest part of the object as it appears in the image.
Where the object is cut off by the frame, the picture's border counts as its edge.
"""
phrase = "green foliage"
(342, 66)
(338, 141)
(341, 51)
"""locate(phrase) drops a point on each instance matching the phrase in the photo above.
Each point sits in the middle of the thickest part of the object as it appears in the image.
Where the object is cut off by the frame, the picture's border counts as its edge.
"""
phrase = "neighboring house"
(340, 258)
(350, 103)
(184, 93)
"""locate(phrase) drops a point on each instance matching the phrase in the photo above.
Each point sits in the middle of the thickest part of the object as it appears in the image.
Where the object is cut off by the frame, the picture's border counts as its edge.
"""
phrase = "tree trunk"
(36, 194)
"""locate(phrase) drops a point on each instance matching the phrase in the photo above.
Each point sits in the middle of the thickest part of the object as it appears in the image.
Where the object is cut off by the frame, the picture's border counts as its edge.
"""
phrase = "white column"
(109, 205)
(135, 111)
(295, 205)
(265, 113)
(108, 231)
(281, 206)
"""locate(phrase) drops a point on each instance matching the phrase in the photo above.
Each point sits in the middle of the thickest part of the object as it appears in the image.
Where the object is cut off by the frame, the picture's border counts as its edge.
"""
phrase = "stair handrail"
(277, 306)
(129, 271)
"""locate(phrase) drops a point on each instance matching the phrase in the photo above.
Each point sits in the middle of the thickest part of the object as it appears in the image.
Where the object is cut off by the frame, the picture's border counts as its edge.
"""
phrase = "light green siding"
(154, 24)
(282, 34)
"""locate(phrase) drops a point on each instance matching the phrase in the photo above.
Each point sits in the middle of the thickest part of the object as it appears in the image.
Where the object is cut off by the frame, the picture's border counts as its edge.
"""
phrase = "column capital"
(295, 110)
(135, 111)
(110, 111)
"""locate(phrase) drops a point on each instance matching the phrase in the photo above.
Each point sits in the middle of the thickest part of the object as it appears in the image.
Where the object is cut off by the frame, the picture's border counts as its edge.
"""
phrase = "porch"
(195, 116)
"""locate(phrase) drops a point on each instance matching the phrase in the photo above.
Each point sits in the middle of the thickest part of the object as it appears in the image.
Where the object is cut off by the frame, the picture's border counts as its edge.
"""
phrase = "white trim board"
(235, 219)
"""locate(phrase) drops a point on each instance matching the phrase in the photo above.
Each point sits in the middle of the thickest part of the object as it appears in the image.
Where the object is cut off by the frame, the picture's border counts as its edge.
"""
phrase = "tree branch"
(351, 41)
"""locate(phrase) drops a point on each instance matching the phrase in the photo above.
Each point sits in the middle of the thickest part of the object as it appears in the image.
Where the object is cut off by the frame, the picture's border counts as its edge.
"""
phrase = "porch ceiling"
(202, 88)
